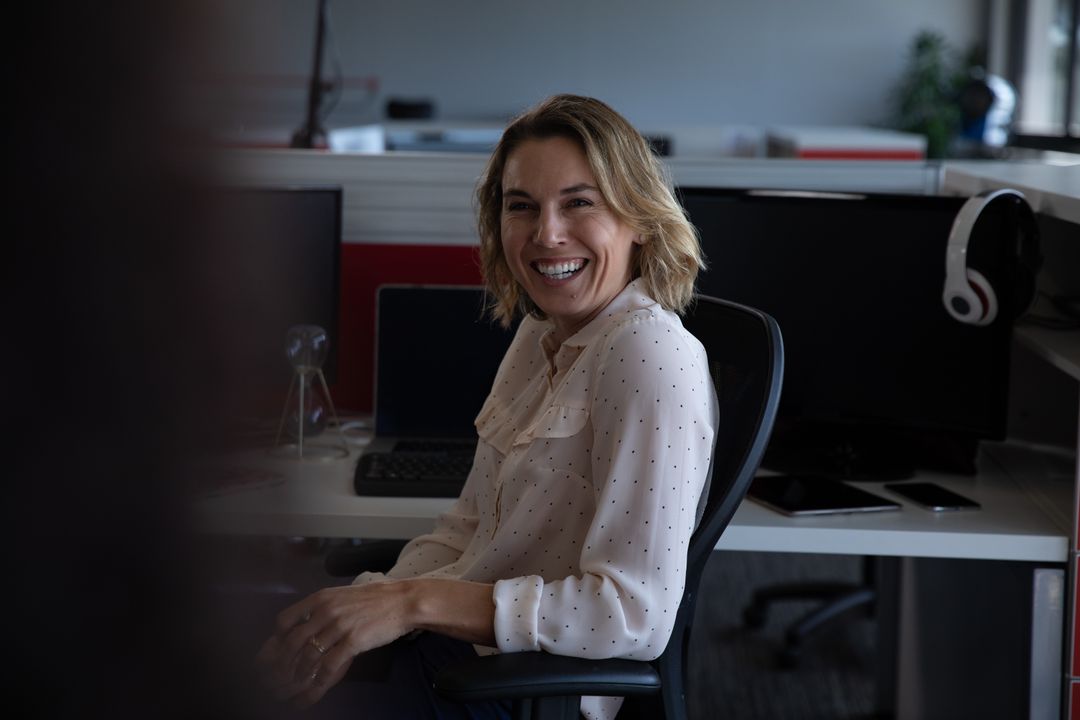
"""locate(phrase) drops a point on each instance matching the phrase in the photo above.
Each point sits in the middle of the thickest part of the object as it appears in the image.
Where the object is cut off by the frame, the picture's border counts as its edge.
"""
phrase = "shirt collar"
(633, 297)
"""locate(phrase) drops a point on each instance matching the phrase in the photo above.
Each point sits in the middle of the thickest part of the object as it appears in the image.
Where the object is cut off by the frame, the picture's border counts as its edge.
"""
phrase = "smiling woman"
(570, 535)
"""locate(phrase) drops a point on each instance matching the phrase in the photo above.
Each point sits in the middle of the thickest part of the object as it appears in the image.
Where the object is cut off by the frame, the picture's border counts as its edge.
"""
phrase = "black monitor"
(276, 263)
(879, 379)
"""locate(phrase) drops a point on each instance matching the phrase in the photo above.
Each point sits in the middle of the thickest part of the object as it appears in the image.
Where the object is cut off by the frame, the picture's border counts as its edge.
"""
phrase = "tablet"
(814, 495)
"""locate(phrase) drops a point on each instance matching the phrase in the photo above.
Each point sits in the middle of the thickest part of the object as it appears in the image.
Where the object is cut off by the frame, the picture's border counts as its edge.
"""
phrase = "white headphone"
(968, 295)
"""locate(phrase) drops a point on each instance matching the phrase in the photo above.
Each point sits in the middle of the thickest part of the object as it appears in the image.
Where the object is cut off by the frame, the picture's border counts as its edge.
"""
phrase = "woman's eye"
(515, 206)
(580, 202)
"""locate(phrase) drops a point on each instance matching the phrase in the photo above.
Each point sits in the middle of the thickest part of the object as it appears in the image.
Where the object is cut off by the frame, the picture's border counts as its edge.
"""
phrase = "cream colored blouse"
(585, 487)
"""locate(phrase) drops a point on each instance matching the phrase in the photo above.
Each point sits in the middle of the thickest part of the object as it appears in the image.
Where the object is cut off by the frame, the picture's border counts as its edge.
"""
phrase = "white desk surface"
(1024, 516)
(1051, 188)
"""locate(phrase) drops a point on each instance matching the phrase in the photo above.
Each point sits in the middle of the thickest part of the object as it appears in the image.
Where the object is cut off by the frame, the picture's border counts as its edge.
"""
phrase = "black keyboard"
(454, 447)
(409, 472)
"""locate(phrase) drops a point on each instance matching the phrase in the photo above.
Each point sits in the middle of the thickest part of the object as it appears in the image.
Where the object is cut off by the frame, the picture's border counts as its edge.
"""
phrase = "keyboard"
(415, 469)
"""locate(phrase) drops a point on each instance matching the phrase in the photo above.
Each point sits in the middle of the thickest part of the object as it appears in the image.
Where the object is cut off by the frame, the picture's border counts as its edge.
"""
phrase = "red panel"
(841, 154)
(1074, 701)
(363, 269)
(1073, 616)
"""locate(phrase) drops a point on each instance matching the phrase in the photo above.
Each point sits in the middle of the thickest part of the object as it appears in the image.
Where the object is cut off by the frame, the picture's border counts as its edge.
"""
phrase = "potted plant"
(928, 93)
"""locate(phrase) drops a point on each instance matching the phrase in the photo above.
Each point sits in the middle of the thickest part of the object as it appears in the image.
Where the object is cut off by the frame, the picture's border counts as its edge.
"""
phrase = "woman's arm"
(317, 638)
(444, 545)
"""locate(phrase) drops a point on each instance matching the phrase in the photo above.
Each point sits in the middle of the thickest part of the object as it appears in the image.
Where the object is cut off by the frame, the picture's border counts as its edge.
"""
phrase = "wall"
(679, 63)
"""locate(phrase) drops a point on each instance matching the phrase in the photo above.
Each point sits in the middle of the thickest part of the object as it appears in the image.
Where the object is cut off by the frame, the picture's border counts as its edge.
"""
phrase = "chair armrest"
(368, 556)
(510, 676)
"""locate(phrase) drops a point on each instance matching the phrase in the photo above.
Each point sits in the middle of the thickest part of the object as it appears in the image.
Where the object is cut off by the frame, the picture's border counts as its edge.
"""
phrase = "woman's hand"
(316, 639)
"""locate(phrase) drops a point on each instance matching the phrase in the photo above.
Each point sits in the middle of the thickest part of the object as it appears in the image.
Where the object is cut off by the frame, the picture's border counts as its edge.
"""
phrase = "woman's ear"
(639, 239)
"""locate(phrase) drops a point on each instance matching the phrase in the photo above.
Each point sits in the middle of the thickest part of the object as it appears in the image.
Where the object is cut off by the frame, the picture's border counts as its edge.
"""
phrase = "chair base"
(839, 600)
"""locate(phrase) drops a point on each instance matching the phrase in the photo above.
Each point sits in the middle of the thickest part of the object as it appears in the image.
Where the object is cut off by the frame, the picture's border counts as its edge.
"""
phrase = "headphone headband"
(968, 296)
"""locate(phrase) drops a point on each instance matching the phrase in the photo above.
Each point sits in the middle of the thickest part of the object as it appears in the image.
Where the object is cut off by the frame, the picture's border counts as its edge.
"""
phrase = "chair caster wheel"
(754, 617)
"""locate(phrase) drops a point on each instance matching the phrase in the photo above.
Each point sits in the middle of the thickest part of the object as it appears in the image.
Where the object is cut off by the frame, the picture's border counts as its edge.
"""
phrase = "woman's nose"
(550, 230)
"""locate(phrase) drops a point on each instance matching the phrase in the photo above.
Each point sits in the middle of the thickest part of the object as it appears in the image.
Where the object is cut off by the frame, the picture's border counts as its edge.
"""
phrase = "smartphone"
(932, 496)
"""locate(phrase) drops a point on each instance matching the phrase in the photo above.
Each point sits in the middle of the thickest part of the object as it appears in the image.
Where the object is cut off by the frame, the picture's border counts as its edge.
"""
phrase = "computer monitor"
(879, 379)
(276, 263)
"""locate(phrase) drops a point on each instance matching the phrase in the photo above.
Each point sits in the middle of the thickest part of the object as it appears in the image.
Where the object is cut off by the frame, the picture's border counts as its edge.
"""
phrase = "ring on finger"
(314, 642)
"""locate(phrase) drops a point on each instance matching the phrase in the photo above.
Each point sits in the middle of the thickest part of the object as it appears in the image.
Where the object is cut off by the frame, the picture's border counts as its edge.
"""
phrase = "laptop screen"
(436, 355)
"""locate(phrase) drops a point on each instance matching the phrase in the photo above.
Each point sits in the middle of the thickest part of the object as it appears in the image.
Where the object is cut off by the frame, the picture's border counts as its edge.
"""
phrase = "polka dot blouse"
(585, 487)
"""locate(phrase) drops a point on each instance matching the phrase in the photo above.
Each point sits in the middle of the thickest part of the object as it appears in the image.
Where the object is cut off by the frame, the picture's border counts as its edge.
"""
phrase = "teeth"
(560, 270)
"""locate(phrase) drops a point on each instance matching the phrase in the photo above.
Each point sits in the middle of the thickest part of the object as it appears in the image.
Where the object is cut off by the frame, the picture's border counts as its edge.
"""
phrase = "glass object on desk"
(308, 405)
(306, 347)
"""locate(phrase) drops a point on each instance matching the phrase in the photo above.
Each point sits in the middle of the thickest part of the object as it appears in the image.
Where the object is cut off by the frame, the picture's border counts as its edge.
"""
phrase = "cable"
(355, 431)
(1067, 305)
(1051, 323)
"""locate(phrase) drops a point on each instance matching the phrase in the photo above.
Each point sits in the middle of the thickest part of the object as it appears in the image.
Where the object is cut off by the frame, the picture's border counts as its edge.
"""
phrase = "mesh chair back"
(746, 361)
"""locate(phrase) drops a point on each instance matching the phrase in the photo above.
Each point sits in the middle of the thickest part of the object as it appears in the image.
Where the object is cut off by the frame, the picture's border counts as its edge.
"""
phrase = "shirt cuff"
(517, 607)
(366, 578)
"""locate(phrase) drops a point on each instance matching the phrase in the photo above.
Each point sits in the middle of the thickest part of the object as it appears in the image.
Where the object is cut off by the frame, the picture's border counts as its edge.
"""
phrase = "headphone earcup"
(981, 287)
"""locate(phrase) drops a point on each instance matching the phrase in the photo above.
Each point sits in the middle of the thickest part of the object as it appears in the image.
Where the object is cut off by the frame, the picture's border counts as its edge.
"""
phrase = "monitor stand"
(867, 455)
(841, 459)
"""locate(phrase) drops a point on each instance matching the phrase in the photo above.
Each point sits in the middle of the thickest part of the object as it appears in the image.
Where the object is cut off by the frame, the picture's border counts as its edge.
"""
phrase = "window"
(1044, 64)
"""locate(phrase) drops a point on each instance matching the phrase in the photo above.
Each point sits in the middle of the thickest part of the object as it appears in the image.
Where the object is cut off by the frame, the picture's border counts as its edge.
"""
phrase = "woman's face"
(566, 248)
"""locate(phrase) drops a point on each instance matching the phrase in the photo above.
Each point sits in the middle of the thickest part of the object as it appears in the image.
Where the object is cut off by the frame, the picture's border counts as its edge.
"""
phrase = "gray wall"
(680, 63)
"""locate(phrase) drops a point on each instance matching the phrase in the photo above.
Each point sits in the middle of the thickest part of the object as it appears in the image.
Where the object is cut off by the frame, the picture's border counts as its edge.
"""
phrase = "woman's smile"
(558, 271)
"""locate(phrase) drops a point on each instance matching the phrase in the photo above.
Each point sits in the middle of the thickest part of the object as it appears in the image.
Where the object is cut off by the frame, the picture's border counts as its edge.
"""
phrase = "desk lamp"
(312, 134)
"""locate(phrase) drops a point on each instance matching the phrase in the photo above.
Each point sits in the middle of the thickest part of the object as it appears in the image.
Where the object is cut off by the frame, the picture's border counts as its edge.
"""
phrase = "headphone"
(968, 295)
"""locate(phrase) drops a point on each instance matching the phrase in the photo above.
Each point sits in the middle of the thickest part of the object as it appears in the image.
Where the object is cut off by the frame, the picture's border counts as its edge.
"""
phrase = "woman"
(570, 535)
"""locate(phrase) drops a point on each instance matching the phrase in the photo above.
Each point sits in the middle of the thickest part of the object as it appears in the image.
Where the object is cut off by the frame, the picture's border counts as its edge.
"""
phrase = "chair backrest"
(746, 361)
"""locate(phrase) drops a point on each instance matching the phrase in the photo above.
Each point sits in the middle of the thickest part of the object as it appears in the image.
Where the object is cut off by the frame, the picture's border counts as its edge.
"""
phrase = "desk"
(1023, 517)
(1026, 514)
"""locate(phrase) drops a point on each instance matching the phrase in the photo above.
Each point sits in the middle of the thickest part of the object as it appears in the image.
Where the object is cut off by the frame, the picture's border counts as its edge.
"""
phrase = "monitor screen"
(276, 264)
(879, 378)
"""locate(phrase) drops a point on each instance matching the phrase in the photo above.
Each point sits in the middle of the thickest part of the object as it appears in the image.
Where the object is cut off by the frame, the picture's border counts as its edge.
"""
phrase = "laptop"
(436, 355)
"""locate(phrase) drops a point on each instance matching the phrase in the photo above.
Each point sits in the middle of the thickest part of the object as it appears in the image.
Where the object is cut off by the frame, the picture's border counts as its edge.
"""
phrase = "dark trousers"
(394, 682)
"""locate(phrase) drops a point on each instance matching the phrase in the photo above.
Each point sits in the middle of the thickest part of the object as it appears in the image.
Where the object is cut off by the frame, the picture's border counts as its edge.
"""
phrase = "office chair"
(745, 354)
(840, 599)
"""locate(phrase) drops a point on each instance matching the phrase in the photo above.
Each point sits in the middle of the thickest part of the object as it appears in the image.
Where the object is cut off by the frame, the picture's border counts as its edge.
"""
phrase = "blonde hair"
(633, 182)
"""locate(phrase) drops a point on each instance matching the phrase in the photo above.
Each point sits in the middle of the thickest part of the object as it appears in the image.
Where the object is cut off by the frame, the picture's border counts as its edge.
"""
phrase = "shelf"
(1061, 348)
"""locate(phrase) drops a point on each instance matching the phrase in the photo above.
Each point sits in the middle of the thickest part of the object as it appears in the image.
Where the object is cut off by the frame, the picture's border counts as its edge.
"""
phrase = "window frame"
(1067, 140)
